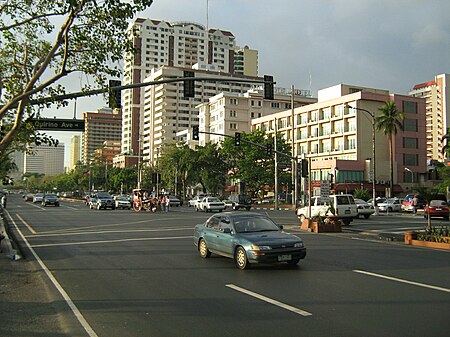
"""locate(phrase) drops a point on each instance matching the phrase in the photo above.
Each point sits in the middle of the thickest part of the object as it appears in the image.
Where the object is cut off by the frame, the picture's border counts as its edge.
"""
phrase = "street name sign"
(57, 124)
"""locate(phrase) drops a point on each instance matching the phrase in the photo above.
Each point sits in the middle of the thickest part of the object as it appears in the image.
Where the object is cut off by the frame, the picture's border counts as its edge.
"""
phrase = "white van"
(340, 206)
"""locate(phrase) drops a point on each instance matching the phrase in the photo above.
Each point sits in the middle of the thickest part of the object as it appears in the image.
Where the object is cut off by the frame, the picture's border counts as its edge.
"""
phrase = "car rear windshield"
(344, 200)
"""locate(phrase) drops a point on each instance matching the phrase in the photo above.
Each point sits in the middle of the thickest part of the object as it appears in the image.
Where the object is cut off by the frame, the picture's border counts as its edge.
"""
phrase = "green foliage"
(251, 163)
(435, 234)
(43, 42)
(361, 193)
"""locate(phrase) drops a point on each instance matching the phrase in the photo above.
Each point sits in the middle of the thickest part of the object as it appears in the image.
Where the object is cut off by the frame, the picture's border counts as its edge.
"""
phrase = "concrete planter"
(411, 239)
(331, 226)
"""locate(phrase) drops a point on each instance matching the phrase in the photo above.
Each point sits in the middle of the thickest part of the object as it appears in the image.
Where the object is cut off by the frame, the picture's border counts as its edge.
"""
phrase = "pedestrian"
(167, 204)
(163, 203)
(415, 204)
(4, 200)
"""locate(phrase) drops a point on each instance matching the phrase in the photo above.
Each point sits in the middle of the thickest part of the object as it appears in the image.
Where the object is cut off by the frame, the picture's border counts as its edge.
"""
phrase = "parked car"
(407, 203)
(239, 201)
(50, 199)
(102, 200)
(122, 202)
(339, 206)
(38, 197)
(364, 208)
(209, 204)
(247, 238)
(390, 205)
(437, 209)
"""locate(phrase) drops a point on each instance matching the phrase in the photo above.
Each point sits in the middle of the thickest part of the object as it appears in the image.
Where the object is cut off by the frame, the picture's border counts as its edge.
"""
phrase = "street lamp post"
(374, 185)
(412, 174)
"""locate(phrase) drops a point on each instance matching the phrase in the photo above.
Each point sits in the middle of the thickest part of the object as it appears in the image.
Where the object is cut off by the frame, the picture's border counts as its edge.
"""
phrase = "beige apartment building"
(338, 139)
(167, 112)
(75, 151)
(437, 97)
(175, 44)
(227, 113)
(102, 125)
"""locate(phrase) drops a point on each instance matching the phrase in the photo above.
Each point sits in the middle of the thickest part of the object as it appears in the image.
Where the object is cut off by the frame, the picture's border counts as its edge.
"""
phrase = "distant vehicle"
(390, 205)
(38, 197)
(28, 197)
(407, 203)
(209, 204)
(239, 201)
(364, 208)
(195, 200)
(103, 200)
(437, 209)
(247, 238)
(50, 199)
(122, 202)
(174, 201)
(343, 206)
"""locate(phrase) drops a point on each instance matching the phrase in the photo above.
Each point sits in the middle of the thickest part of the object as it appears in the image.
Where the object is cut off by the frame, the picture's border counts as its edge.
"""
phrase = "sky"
(315, 44)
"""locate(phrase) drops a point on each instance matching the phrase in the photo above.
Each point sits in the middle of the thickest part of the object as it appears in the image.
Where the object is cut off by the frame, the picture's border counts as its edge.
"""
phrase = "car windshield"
(103, 195)
(254, 224)
(438, 203)
(213, 200)
(121, 198)
(51, 195)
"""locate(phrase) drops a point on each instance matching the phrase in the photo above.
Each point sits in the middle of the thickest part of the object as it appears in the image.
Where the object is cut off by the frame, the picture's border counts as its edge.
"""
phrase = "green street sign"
(57, 124)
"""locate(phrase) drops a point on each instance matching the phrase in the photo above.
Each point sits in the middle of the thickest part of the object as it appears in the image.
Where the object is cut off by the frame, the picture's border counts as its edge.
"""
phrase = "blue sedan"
(247, 238)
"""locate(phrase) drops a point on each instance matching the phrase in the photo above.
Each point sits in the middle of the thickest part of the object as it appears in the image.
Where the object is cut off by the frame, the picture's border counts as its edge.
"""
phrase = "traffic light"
(195, 132)
(115, 95)
(237, 138)
(269, 149)
(268, 87)
(305, 168)
(189, 85)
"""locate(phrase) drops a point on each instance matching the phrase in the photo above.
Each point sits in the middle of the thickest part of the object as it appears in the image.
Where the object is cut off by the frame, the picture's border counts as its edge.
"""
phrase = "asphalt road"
(121, 273)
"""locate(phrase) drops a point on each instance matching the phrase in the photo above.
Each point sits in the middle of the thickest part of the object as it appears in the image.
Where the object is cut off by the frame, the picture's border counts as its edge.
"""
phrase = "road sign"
(324, 188)
(57, 124)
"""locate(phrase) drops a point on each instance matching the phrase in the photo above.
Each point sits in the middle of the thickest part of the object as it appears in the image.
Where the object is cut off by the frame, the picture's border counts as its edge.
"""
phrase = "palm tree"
(389, 122)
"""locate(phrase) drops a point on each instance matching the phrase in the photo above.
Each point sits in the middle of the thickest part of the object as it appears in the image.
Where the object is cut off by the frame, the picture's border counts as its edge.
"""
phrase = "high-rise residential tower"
(437, 99)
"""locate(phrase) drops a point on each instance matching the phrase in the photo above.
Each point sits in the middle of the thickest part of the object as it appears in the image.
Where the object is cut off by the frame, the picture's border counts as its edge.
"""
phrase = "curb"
(6, 243)
(382, 236)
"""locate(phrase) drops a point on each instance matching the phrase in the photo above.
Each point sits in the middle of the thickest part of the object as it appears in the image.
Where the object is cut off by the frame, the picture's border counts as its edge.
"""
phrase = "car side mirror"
(227, 230)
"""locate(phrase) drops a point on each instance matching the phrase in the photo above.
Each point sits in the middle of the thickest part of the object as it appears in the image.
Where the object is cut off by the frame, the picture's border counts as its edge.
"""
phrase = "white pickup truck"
(339, 206)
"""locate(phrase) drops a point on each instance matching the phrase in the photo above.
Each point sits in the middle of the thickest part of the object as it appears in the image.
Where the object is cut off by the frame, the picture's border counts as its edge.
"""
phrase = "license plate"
(438, 209)
(347, 211)
(284, 257)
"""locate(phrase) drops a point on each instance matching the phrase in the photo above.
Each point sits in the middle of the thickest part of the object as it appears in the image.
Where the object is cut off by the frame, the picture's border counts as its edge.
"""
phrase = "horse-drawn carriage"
(142, 200)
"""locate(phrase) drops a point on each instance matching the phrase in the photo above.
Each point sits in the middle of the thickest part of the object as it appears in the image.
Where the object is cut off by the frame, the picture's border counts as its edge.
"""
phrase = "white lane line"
(113, 232)
(403, 281)
(108, 241)
(26, 224)
(269, 300)
(58, 286)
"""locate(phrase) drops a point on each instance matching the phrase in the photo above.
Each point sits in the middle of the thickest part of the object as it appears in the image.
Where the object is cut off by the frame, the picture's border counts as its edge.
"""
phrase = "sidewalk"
(27, 304)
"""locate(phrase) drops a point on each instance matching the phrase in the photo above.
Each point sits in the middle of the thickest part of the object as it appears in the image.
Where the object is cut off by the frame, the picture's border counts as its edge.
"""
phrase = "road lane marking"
(108, 241)
(403, 281)
(269, 300)
(113, 232)
(26, 224)
(57, 285)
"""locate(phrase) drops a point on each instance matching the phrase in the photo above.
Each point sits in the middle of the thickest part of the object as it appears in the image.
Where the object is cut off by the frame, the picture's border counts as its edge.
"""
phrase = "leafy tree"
(251, 163)
(361, 193)
(389, 122)
(211, 168)
(43, 42)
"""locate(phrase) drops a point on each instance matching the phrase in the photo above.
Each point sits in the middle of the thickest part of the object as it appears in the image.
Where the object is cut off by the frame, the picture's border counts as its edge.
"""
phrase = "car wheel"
(240, 257)
(248, 208)
(203, 249)
(57, 205)
(366, 216)
(293, 262)
(390, 209)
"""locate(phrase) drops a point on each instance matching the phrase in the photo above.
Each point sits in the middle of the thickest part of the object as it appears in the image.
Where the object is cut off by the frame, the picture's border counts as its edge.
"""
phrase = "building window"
(409, 107)
(275, 105)
(410, 125)
(410, 159)
(410, 143)
(233, 126)
(233, 101)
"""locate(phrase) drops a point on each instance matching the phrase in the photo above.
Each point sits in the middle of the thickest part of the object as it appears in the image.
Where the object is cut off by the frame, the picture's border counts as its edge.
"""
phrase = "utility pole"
(276, 165)
(293, 161)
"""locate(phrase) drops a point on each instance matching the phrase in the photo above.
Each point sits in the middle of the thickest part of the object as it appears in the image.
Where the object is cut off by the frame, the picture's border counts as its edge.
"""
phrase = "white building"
(229, 112)
(46, 159)
(177, 44)
(167, 112)
(437, 97)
